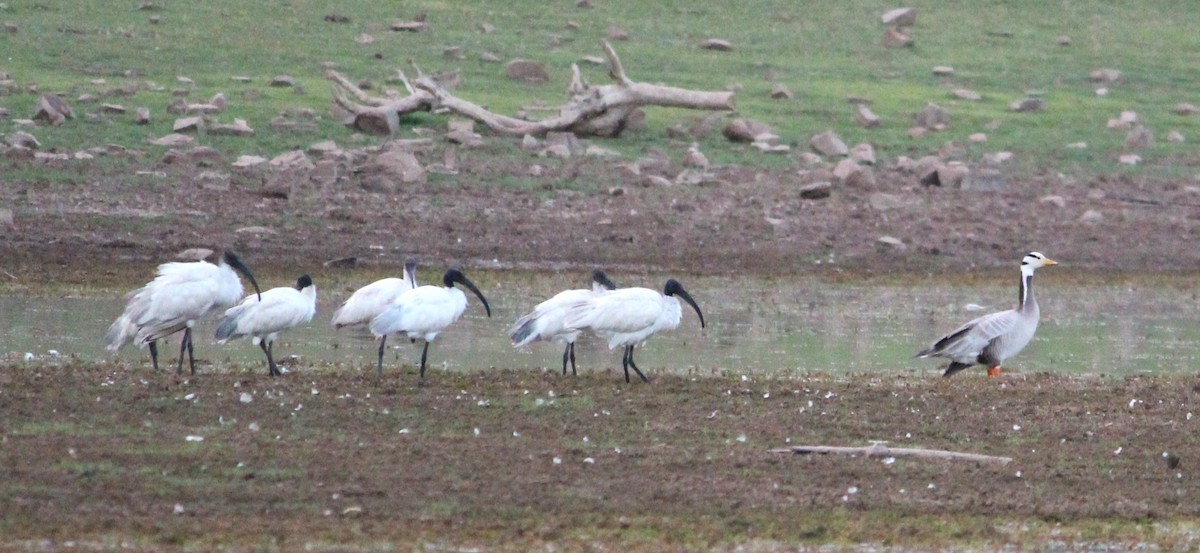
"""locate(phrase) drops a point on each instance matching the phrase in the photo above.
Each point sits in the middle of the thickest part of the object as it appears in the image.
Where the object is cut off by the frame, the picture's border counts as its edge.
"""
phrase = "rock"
(845, 168)
(890, 243)
(1078, 145)
(249, 161)
(238, 128)
(881, 201)
(895, 38)
(900, 17)
(1129, 159)
(454, 53)
(1175, 137)
(1091, 217)
(364, 39)
(953, 174)
(1106, 75)
(112, 108)
(933, 117)
(966, 94)
(409, 26)
(1054, 200)
(564, 140)
(816, 190)
(397, 166)
(1118, 124)
(829, 144)
(998, 158)
(745, 130)
(863, 153)
(1102, 91)
(781, 92)
(717, 44)
(867, 118)
(22, 139)
(283, 81)
(53, 110)
(188, 124)
(601, 152)
(1139, 138)
(142, 116)
(218, 101)
(977, 138)
(1025, 105)
(917, 132)
(615, 32)
(808, 159)
(1185, 109)
(1130, 117)
(212, 180)
(694, 158)
(193, 254)
(943, 70)
(1063, 40)
(526, 70)
(173, 139)
(255, 230)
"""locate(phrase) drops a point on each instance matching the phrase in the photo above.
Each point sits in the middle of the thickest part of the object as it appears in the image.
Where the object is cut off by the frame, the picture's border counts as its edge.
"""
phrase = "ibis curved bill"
(264, 316)
(990, 339)
(180, 295)
(545, 322)
(426, 311)
(630, 316)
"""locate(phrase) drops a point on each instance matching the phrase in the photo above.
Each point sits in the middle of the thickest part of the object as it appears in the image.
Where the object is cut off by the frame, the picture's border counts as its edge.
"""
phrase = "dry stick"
(877, 450)
(8, 274)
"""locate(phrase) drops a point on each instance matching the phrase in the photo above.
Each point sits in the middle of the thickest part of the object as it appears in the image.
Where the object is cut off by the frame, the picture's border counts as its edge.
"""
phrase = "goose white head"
(1033, 261)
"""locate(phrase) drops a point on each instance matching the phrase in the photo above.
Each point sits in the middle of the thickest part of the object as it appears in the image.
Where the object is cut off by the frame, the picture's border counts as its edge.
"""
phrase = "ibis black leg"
(565, 352)
(382, 343)
(191, 355)
(635, 368)
(573, 373)
(182, 348)
(270, 359)
(154, 354)
(424, 351)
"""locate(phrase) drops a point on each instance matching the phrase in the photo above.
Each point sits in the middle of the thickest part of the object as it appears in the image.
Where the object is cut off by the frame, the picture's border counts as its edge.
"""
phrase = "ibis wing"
(620, 311)
(369, 301)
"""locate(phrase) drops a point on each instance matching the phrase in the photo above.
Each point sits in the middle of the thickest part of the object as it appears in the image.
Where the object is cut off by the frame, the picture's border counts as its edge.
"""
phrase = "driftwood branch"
(602, 110)
(880, 450)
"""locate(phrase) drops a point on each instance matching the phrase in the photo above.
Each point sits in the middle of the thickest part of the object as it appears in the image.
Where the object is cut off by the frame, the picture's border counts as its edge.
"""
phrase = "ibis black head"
(598, 277)
(230, 258)
(674, 288)
(303, 282)
(410, 271)
(454, 275)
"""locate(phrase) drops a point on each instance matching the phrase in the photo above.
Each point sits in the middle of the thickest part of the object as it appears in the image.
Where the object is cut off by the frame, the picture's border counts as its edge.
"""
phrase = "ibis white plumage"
(426, 311)
(368, 302)
(629, 316)
(545, 322)
(264, 316)
(990, 339)
(180, 295)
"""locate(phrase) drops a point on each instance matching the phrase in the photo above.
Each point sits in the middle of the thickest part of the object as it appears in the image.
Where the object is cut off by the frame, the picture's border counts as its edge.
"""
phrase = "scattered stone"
(86, 98)
(1175, 137)
(1063, 40)
(917, 132)
(22, 139)
(867, 118)
(863, 153)
(53, 110)
(583, 4)
(238, 128)
(526, 70)
(390, 168)
(1185, 109)
(1139, 138)
(1106, 75)
(249, 161)
(202, 109)
(717, 44)
(600, 152)
(365, 39)
(890, 243)
(808, 159)
(615, 32)
(781, 92)
(188, 124)
(218, 100)
(342, 262)
(694, 158)
(489, 57)
(978, 138)
(486, 28)
(998, 158)
(594, 60)
(1091, 217)
(900, 17)
(255, 230)
(337, 18)
(283, 81)
(11, 28)
(1118, 124)
(1102, 92)
(816, 190)
(112, 108)
(1078, 145)
(1026, 105)
(142, 116)
(173, 139)
(853, 175)
(895, 38)
(1129, 159)
(5, 112)
(1054, 200)
(829, 144)
(943, 70)
(745, 130)
(454, 53)
(882, 201)
(966, 94)
(933, 117)
(953, 174)
(409, 26)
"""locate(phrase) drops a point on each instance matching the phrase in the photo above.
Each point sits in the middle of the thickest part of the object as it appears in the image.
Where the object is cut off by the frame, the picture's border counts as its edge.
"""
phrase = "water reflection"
(756, 326)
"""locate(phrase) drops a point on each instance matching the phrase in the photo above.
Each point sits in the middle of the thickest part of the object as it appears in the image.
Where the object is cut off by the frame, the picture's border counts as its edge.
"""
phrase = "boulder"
(616, 32)
(1106, 75)
(283, 81)
(526, 70)
(815, 190)
(781, 92)
(22, 139)
(172, 140)
(1186, 109)
(53, 110)
(943, 70)
(953, 174)
(863, 153)
(717, 44)
(237, 128)
(966, 94)
(187, 124)
(1030, 104)
(900, 17)
(867, 118)
(933, 117)
(895, 38)
(829, 144)
(1139, 138)
(1175, 137)
(745, 130)
(390, 168)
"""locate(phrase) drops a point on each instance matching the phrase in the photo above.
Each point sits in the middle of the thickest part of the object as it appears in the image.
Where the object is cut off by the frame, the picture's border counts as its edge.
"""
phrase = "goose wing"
(968, 341)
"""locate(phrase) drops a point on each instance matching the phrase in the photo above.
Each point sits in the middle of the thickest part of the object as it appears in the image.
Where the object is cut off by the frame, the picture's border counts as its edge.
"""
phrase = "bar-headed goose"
(991, 339)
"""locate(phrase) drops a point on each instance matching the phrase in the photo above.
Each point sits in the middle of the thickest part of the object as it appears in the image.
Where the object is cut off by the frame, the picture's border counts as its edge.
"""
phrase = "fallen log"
(880, 450)
(601, 110)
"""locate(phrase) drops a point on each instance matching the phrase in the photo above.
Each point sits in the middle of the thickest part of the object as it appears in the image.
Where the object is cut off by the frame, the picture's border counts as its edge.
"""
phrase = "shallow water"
(778, 327)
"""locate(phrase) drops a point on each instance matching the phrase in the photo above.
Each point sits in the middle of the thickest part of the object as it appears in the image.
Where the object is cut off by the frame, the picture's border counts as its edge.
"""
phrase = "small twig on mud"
(8, 274)
(879, 450)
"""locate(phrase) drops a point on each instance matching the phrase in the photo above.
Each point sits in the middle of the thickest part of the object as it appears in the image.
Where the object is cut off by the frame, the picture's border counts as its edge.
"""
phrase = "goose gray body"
(992, 338)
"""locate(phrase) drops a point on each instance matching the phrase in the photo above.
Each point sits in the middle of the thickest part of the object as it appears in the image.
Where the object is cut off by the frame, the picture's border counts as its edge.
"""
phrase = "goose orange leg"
(994, 371)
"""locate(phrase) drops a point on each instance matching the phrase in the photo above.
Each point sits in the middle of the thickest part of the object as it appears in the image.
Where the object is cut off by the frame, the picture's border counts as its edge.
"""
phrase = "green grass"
(823, 51)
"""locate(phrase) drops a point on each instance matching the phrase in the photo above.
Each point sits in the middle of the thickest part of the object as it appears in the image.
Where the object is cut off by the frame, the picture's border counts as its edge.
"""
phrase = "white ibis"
(264, 316)
(991, 339)
(425, 311)
(180, 295)
(629, 316)
(545, 322)
(368, 302)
